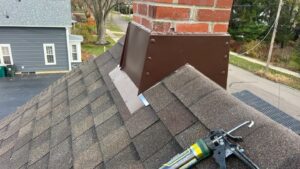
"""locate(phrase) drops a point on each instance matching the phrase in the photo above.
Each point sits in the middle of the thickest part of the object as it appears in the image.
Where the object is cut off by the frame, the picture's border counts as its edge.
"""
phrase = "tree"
(250, 19)
(100, 10)
(289, 18)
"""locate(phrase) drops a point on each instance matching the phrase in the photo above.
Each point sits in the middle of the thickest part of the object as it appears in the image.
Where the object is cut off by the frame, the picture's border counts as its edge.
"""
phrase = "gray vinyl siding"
(27, 47)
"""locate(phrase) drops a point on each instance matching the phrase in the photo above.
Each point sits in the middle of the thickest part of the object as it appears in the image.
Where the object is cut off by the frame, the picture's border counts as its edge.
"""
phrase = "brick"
(198, 27)
(146, 23)
(161, 26)
(220, 28)
(137, 19)
(213, 15)
(205, 15)
(135, 7)
(224, 3)
(143, 9)
(197, 2)
(161, 12)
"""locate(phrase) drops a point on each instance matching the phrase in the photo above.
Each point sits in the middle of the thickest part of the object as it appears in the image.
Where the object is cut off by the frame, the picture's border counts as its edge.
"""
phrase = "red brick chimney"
(201, 16)
(166, 34)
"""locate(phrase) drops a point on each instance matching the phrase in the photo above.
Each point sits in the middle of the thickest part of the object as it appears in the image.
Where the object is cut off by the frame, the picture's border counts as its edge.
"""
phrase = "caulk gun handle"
(245, 159)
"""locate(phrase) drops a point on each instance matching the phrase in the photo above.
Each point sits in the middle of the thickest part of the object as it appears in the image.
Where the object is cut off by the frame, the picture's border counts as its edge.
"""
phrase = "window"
(5, 54)
(74, 53)
(49, 53)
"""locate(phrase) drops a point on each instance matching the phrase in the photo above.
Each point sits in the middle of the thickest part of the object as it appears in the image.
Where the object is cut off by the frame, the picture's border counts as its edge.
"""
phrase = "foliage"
(252, 19)
(100, 10)
(259, 52)
(124, 8)
(288, 18)
(86, 31)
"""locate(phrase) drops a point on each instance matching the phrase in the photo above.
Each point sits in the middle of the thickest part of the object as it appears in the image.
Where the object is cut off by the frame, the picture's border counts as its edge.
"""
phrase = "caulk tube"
(189, 157)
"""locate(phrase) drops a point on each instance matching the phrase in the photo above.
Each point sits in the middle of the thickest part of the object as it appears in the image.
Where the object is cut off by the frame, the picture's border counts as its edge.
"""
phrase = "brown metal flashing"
(147, 57)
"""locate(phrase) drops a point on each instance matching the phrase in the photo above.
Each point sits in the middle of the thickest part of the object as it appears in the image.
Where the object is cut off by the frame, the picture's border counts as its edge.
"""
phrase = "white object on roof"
(127, 89)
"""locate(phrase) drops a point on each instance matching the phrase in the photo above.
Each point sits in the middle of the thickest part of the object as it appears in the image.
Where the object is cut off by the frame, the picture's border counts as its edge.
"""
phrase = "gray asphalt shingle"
(45, 13)
(81, 121)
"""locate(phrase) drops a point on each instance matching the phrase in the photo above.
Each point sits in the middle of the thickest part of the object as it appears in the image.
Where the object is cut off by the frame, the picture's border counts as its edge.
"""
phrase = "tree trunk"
(101, 33)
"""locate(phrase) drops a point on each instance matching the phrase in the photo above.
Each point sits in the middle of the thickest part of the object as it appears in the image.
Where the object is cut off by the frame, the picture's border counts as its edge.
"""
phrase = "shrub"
(124, 8)
(86, 31)
(259, 52)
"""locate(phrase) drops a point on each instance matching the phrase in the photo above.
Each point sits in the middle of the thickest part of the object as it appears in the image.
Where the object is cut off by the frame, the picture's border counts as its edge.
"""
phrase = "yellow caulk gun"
(217, 144)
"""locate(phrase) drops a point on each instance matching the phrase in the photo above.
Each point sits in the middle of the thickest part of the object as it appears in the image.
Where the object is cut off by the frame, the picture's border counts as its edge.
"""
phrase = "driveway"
(17, 91)
(282, 97)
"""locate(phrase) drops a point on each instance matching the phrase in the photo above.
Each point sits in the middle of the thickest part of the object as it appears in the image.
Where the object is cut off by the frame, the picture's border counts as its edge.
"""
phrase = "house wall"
(27, 47)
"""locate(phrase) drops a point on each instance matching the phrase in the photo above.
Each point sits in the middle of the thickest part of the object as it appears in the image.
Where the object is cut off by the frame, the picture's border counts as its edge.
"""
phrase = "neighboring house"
(35, 36)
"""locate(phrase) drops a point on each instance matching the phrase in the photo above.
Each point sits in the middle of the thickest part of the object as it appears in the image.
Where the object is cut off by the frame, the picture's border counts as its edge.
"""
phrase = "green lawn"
(127, 18)
(113, 27)
(97, 50)
(293, 63)
(260, 71)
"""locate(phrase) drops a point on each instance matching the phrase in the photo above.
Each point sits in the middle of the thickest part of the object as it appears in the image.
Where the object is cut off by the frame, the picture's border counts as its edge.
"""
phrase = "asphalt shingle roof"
(81, 121)
(35, 13)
